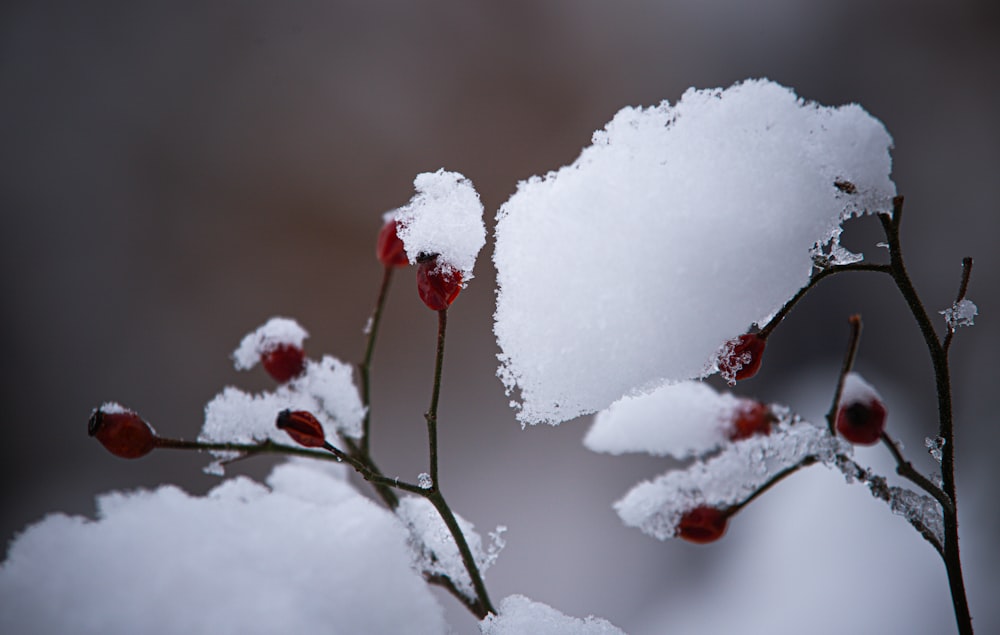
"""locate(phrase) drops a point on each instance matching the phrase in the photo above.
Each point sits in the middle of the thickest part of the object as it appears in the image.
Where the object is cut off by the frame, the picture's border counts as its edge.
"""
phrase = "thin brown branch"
(845, 368)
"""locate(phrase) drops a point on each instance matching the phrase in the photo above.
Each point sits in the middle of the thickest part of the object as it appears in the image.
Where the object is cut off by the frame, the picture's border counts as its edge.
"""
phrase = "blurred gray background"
(175, 173)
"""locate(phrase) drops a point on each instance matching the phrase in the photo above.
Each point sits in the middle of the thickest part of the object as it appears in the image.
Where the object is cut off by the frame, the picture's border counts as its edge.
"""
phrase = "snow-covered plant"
(672, 249)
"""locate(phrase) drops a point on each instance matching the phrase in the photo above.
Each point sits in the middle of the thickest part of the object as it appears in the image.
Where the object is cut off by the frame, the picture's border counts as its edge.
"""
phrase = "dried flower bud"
(121, 431)
(303, 427)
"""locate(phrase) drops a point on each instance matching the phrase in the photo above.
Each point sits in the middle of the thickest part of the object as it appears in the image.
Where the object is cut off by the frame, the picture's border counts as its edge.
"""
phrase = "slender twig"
(849, 355)
(247, 449)
(431, 416)
(370, 475)
(482, 597)
(905, 469)
(433, 494)
(774, 480)
(963, 287)
(364, 368)
(942, 379)
(766, 330)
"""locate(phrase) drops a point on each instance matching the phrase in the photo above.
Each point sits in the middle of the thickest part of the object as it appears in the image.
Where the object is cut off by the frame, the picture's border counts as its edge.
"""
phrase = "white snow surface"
(680, 420)
(655, 507)
(326, 389)
(520, 615)
(435, 551)
(857, 390)
(674, 232)
(444, 217)
(308, 554)
(277, 330)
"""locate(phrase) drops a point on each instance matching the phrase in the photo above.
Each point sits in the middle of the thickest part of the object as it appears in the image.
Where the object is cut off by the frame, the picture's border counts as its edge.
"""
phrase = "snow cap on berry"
(444, 218)
(276, 332)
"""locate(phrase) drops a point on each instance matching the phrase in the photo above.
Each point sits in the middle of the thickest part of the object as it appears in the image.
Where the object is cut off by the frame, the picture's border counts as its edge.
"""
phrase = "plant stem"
(963, 287)
(905, 469)
(942, 378)
(431, 416)
(852, 351)
(364, 368)
(777, 478)
(766, 330)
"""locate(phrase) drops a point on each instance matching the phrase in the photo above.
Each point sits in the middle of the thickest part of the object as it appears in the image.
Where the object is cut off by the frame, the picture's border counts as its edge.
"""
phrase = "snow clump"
(680, 420)
(679, 228)
(303, 554)
(445, 217)
(274, 333)
(519, 615)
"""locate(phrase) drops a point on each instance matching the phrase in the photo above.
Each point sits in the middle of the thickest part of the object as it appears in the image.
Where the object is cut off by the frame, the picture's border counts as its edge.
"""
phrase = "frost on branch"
(519, 615)
(920, 510)
(307, 555)
(962, 313)
(445, 217)
(680, 420)
(434, 549)
(675, 231)
(741, 468)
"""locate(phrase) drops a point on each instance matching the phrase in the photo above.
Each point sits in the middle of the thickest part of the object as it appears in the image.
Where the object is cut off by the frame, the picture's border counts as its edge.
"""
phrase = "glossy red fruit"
(122, 432)
(438, 286)
(862, 422)
(742, 358)
(751, 417)
(389, 248)
(284, 362)
(303, 427)
(702, 525)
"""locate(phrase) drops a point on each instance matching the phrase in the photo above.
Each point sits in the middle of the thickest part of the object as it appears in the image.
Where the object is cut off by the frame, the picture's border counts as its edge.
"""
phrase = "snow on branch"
(675, 231)
(434, 549)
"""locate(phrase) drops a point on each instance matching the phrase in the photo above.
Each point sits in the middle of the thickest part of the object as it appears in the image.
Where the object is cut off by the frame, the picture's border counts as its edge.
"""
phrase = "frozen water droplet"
(934, 447)
(882, 245)
(368, 326)
(960, 314)
(424, 480)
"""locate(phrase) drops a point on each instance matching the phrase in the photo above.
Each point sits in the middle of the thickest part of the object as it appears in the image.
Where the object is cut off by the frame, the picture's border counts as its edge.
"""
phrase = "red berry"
(752, 417)
(389, 248)
(741, 357)
(702, 525)
(862, 422)
(303, 427)
(437, 284)
(122, 432)
(284, 362)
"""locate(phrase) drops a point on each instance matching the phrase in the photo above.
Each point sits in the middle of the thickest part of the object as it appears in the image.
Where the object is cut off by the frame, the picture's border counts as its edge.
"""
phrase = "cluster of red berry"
(860, 419)
(127, 435)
